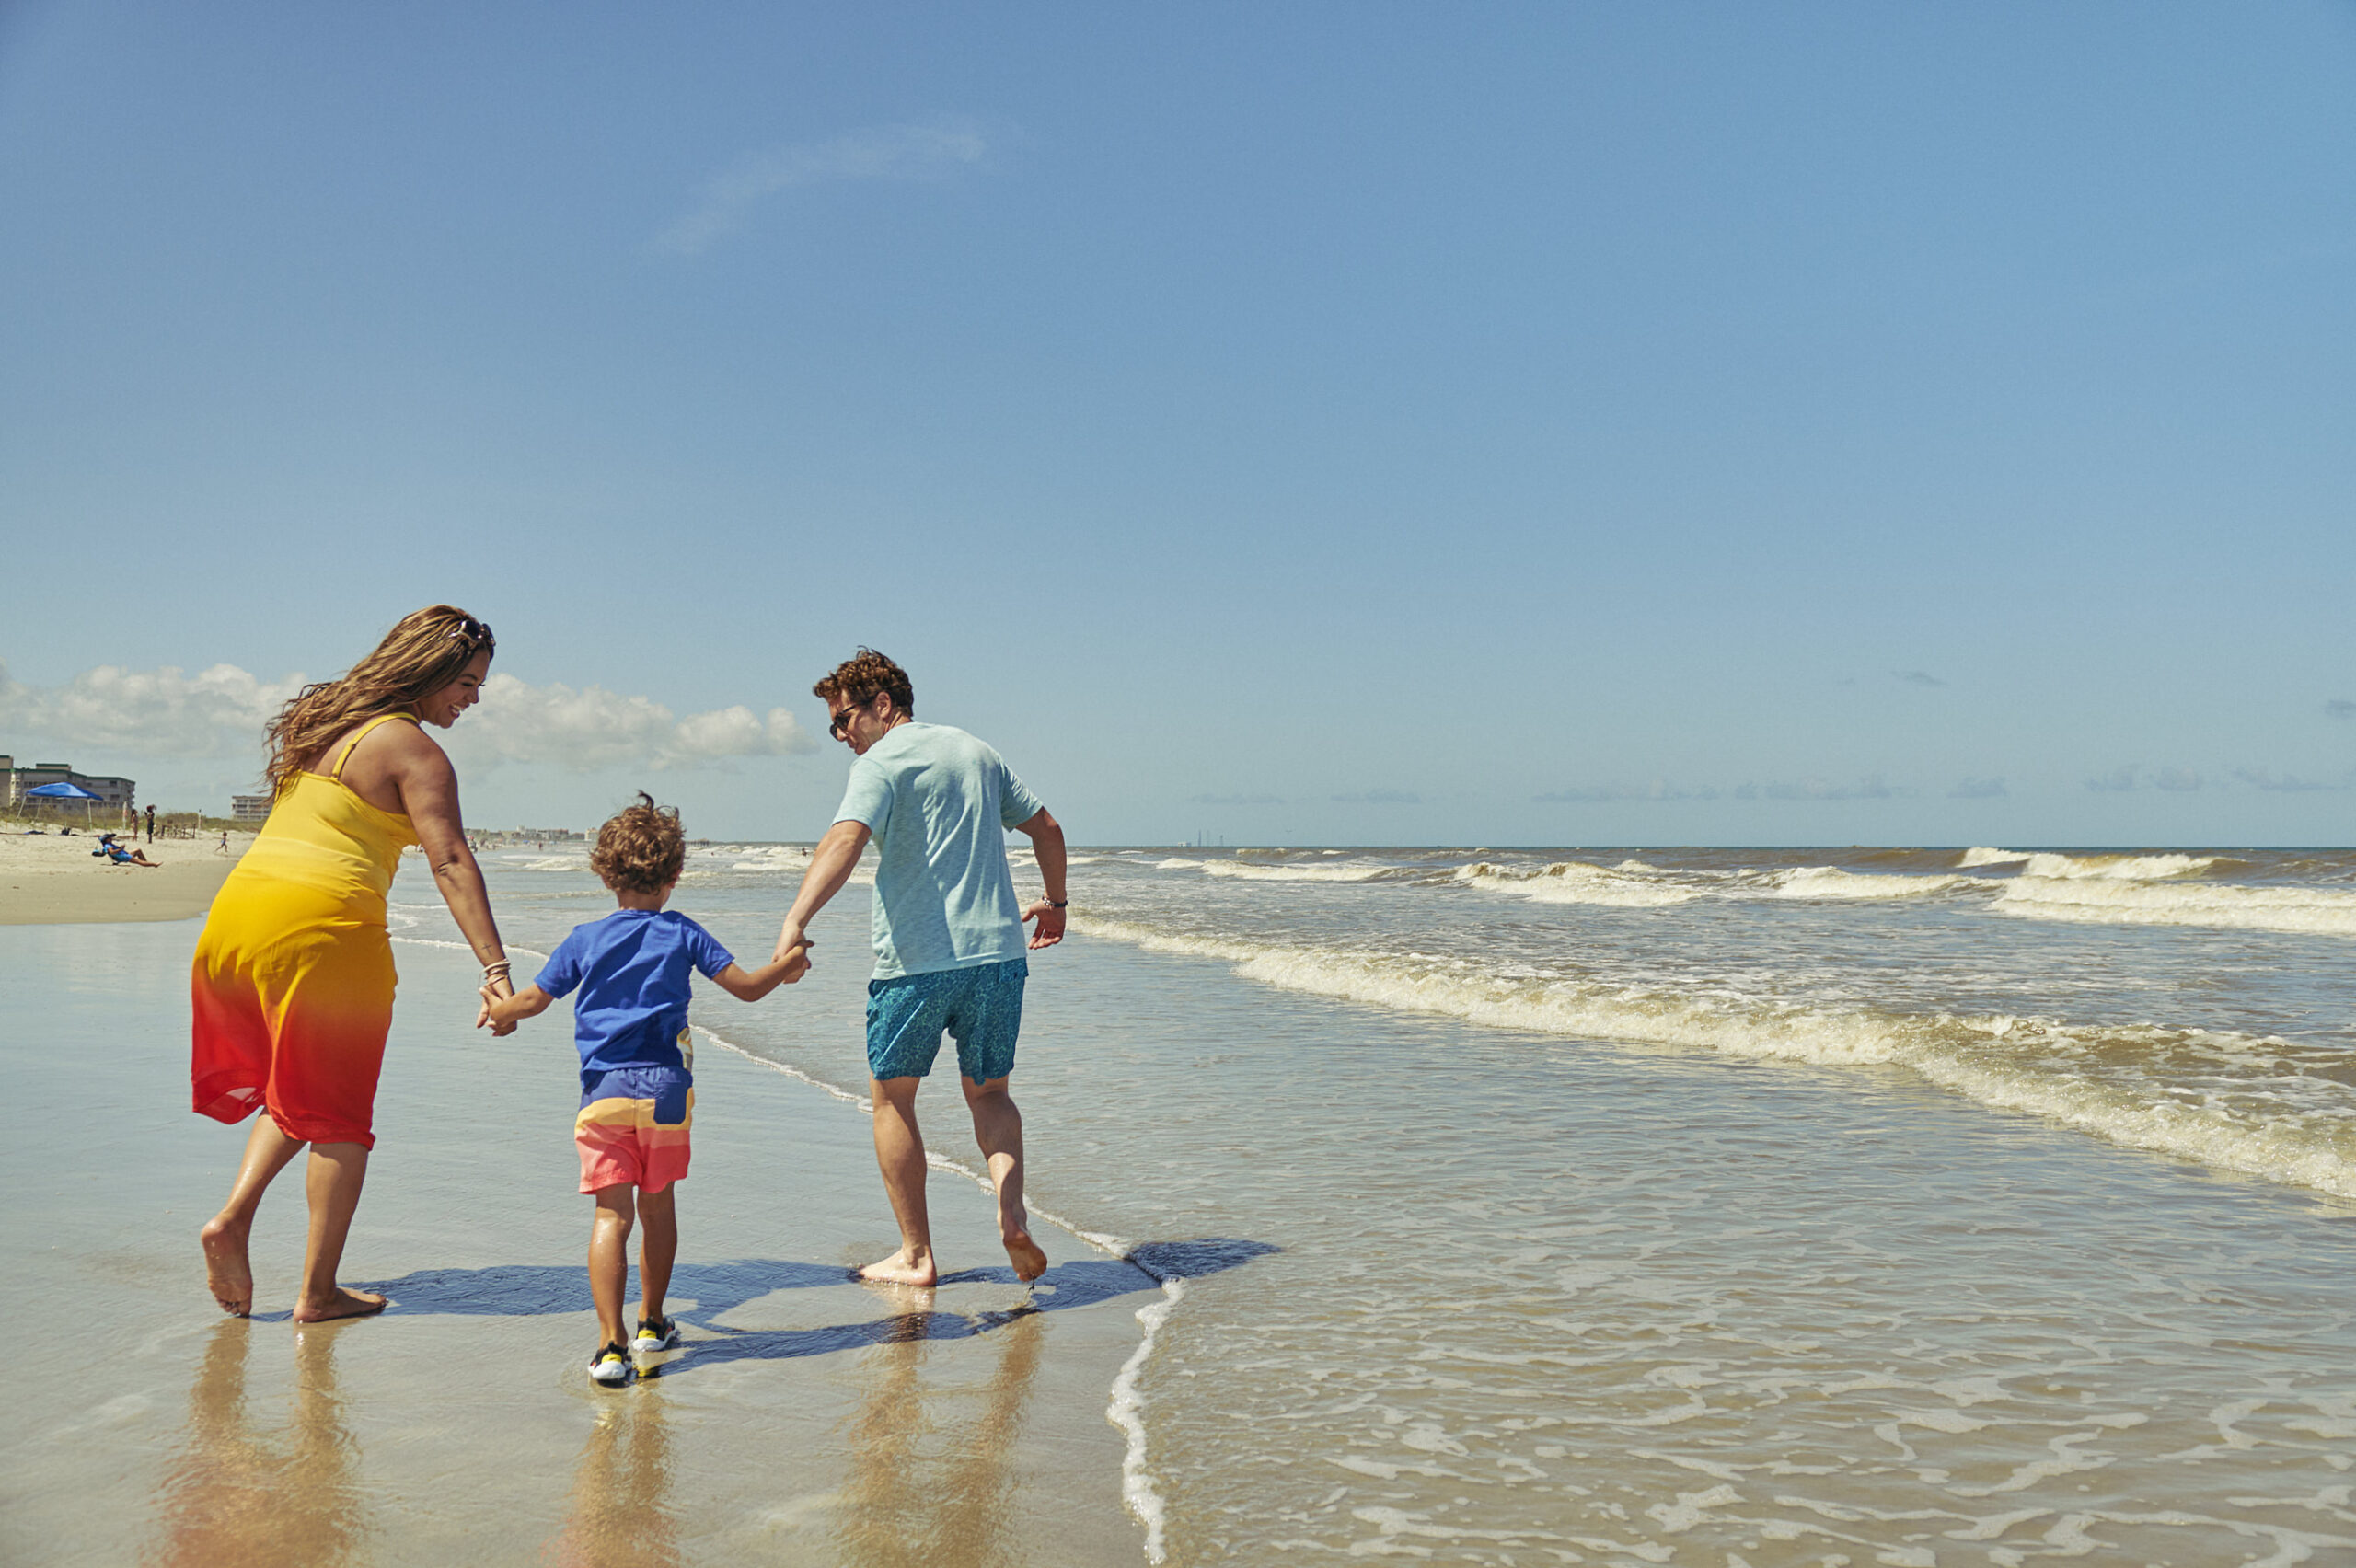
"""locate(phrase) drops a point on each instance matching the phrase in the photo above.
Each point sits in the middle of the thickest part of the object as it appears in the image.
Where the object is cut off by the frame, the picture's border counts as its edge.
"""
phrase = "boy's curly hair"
(862, 677)
(641, 848)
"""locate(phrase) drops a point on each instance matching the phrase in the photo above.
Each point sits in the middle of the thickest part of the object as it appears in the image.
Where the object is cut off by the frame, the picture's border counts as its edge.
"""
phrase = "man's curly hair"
(861, 678)
(641, 848)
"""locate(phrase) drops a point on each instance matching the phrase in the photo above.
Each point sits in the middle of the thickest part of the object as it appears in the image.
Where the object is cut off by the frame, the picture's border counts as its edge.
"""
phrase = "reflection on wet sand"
(927, 1487)
(255, 1498)
(621, 1515)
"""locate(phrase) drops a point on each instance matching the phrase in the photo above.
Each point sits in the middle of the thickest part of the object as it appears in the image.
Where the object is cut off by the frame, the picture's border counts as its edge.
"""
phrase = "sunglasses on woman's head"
(473, 633)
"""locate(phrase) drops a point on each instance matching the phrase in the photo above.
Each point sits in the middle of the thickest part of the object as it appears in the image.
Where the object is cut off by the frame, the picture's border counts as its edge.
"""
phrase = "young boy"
(637, 1062)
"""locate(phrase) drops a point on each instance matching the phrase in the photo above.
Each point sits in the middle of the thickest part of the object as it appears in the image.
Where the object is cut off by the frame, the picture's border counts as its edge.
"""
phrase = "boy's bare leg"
(899, 1154)
(609, 1260)
(658, 1248)
(226, 1270)
(332, 1183)
(997, 1127)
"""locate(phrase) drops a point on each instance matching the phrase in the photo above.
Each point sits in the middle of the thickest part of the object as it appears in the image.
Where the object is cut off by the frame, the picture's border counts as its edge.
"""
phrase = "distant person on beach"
(112, 848)
(151, 825)
(224, 849)
(948, 933)
(293, 976)
(637, 1063)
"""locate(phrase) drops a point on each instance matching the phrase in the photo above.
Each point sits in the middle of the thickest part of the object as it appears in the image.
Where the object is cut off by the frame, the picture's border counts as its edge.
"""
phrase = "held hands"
(1050, 928)
(788, 940)
(496, 1013)
(797, 962)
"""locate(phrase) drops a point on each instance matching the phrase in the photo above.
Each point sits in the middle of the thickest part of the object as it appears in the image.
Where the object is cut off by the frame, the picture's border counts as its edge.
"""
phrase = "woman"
(293, 978)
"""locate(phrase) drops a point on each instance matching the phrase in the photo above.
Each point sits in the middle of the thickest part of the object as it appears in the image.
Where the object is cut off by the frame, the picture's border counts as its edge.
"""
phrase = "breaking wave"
(2264, 1107)
(1348, 871)
(2094, 899)
(1831, 882)
(1633, 885)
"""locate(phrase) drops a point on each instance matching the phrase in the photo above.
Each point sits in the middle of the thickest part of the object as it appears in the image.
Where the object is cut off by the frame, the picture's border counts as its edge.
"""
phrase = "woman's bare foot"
(900, 1268)
(226, 1273)
(1030, 1262)
(343, 1304)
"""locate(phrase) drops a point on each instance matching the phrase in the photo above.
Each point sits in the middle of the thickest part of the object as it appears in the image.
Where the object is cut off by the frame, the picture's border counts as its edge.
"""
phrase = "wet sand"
(49, 880)
(810, 1419)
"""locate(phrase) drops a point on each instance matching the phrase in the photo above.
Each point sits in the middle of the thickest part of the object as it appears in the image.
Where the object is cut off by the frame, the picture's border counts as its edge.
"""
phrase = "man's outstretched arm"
(830, 866)
(1046, 836)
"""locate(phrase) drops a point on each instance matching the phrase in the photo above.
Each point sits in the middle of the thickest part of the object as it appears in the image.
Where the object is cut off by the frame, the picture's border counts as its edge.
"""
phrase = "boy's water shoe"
(655, 1334)
(611, 1367)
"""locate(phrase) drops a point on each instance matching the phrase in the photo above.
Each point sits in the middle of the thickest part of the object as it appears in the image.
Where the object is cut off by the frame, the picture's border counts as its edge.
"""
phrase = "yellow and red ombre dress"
(293, 977)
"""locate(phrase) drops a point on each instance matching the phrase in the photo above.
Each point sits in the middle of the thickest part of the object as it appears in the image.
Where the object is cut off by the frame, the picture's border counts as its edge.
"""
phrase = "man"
(151, 825)
(948, 939)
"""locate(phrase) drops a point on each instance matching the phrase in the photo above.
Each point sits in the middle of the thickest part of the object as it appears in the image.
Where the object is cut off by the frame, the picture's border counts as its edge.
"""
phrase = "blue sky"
(1346, 423)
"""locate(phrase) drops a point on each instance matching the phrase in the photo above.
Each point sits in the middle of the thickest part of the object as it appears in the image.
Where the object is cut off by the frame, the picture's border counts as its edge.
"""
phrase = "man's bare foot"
(343, 1304)
(1030, 1262)
(901, 1268)
(226, 1273)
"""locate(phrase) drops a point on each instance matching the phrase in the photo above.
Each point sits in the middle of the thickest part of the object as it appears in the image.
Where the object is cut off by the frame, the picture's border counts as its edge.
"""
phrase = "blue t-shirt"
(631, 970)
(938, 802)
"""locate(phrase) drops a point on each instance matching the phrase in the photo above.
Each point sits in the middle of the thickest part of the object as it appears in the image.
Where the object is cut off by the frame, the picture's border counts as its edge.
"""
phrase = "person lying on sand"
(119, 855)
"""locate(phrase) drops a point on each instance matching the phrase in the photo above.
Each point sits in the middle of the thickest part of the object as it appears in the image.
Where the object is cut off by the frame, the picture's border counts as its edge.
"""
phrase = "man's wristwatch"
(1059, 904)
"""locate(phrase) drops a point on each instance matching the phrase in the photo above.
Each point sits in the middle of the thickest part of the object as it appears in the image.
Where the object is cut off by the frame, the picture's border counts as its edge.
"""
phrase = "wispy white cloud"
(1917, 678)
(1977, 789)
(1380, 798)
(588, 729)
(1235, 800)
(221, 712)
(2340, 708)
(883, 152)
(216, 712)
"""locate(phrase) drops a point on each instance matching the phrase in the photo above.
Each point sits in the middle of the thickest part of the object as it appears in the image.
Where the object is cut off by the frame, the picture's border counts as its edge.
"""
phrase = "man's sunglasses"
(838, 724)
(473, 633)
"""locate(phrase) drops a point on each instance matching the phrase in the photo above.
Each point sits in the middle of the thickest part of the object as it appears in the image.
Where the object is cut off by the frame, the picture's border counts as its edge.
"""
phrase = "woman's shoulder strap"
(362, 734)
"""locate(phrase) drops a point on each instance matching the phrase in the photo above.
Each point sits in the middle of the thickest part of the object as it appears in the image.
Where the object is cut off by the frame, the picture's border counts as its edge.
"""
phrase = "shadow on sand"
(530, 1290)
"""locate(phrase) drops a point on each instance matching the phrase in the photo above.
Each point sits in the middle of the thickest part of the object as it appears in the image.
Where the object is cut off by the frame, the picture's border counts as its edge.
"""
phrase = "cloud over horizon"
(221, 712)
(882, 152)
(218, 711)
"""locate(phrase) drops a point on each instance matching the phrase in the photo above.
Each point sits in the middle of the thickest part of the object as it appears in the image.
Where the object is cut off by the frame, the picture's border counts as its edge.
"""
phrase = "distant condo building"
(112, 791)
(248, 808)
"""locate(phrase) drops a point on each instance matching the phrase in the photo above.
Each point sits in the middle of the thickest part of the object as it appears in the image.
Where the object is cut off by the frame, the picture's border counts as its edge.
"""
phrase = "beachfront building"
(113, 794)
(248, 808)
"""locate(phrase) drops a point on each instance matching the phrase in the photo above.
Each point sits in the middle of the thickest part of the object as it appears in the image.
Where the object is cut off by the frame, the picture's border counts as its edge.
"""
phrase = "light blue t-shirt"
(938, 802)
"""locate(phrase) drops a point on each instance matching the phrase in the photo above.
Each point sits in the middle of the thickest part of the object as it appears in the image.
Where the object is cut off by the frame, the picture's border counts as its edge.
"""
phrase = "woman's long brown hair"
(425, 651)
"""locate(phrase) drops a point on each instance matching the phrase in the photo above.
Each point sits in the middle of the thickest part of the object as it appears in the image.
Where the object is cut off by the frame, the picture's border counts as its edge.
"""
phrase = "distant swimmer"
(948, 932)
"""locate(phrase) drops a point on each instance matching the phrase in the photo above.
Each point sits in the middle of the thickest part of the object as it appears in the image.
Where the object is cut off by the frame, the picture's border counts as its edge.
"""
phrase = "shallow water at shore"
(809, 1419)
(1733, 1227)
(1724, 1229)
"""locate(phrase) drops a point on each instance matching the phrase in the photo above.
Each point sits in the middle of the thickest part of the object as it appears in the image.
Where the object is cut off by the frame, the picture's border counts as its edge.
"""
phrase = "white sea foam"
(2259, 1108)
(1831, 882)
(1348, 871)
(556, 863)
(1978, 856)
(2117, 867)
(1127, 1411)
(2095, 900)
(1631, 886)
(1176, 863)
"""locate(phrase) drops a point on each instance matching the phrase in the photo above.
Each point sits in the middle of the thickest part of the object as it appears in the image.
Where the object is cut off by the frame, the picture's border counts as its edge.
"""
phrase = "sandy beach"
(48, 879)
(809, 1419)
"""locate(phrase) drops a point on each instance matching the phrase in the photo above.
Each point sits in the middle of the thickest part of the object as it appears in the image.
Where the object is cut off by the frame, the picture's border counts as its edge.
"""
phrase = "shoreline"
(49, 879)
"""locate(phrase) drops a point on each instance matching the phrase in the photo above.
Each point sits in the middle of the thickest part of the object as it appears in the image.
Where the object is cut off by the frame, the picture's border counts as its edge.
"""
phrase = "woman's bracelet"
(499, 971)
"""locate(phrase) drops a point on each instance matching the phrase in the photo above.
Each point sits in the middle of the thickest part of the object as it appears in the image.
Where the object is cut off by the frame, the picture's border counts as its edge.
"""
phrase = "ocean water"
(1739, 1207)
